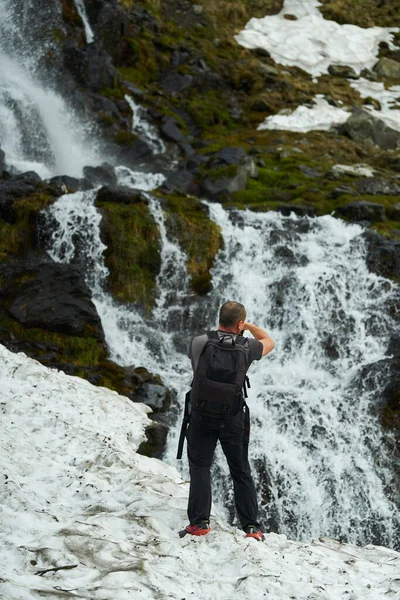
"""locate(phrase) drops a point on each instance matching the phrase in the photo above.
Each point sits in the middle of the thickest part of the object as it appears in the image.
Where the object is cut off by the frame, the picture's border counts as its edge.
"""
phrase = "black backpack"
(220, 375)
(220, 382)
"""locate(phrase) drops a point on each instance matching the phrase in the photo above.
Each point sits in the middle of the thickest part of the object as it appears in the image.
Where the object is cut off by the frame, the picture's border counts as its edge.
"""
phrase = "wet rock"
(342, 71)
(224, 186)
(109, 23)
(394, 345)
(90, 66)
(279, 236)
(364, 126)
(341, 190)
(119, 195)
(394, 162)
(374, 186)
(362, 211)
(154, 446)
(171, 131)
(29, 177)
(137, 92)
(368, 74)
(181, 181)
(309, 172)
(230, 156)
(298, 209)
(174, 83)
(383, 255)
(103, 174)
(154, 395)
(132, 154)
(72, 183)
(52, 296)
(396, 212)
(386, 67)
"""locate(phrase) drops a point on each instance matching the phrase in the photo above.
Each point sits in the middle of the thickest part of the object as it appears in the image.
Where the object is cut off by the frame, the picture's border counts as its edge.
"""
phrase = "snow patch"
(311, 42)
(78, 501)
(320, 115)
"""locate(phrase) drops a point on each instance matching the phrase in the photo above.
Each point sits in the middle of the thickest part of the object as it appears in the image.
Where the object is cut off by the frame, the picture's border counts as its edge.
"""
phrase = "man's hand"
(260, 335)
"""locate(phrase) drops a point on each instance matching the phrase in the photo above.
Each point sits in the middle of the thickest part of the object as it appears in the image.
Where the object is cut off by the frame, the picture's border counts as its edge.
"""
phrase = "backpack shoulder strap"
(212, 335)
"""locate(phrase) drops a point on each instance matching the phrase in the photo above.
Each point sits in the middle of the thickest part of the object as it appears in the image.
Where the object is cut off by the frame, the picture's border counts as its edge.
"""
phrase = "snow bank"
(321, 115)
(312, 42)
(74, 494)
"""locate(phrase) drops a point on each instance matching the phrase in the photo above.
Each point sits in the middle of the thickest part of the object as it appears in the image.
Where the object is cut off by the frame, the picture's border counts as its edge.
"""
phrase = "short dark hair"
(231, 313)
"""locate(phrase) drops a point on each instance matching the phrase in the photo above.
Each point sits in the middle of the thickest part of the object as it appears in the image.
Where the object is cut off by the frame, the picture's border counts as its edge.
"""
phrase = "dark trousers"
(202, 436)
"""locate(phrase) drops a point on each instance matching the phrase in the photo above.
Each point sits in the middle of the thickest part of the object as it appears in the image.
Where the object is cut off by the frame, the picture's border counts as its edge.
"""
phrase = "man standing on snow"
(220, 360)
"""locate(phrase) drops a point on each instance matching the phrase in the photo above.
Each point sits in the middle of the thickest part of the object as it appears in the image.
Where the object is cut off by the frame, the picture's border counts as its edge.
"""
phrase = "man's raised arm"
(260, 335)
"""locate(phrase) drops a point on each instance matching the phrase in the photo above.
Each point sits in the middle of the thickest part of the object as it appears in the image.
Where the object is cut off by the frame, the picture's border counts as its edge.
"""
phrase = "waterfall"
(318, 454)
(142, 128)
(38, 130)
(81, 8)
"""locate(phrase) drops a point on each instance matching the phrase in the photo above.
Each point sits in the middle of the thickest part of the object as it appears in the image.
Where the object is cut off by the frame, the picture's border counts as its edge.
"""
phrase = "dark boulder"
(174, 83)
(109, 22)
(154, 446)
(90, 66)
(387, 67)
(342, 71)
(154, 395)
(383, 255)
(341, 190)
(137, 152)
(182, 181)
(224, 185)
(102, 175)
(52, 296)
(230, 156)
(364, 126)
(119, 195)
(374, 186)
(71, 183)
(362, 211)
(396, 212)
(171, 131)
(309, 172)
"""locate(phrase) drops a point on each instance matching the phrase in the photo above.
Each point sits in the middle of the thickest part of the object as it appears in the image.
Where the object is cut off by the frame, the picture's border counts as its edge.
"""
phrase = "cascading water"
(319, 457)
(142, 128)
(81, 8)
(318, 454)
(38, 131)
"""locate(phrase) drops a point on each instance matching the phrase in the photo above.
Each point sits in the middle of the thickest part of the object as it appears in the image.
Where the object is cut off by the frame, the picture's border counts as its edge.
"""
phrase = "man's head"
(230, 315)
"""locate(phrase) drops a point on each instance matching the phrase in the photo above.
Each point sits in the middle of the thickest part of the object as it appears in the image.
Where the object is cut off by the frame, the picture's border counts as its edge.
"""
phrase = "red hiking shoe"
(254, 532)
(201, 529)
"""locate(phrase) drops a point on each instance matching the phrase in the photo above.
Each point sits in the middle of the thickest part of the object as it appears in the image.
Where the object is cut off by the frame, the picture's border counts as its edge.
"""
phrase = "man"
(232, 430)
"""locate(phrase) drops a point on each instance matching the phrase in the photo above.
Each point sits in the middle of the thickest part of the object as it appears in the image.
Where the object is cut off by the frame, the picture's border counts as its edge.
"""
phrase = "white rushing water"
(322, 467)
(142, 128)
(318, 454)
(81, 8)
(38, 130)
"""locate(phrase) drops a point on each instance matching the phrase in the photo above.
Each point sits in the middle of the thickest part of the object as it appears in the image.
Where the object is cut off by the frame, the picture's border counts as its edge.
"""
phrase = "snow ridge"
(84, 516)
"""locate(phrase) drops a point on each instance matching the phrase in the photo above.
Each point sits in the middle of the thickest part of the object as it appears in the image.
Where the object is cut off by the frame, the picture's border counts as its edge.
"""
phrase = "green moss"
(364, 13)
(21, 236)
(132, 255)
(200, 238)
(208, 110)
(70, 349)
(124, 137)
